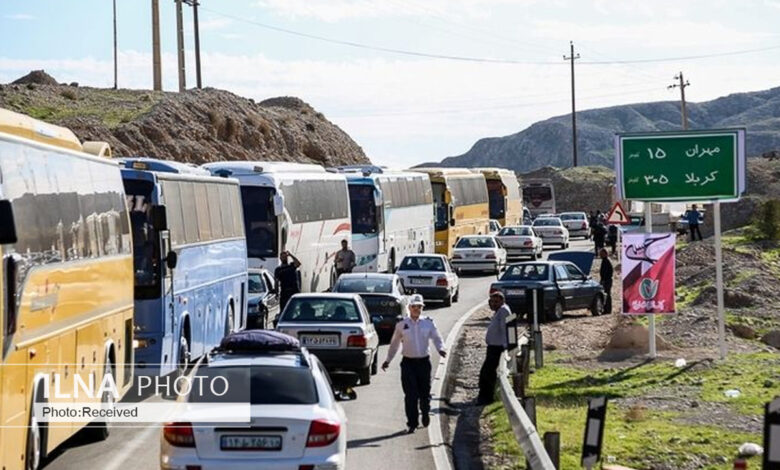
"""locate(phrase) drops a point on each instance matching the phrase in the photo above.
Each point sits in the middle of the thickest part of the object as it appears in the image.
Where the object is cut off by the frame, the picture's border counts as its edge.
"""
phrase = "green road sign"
(681, 166)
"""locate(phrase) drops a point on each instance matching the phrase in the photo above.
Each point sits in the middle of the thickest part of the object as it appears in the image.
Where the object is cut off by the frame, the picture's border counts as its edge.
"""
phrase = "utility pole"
(572, 57)
(180, 45)
(116, 68)
(683, 108)
(194, 4)
(156, 62)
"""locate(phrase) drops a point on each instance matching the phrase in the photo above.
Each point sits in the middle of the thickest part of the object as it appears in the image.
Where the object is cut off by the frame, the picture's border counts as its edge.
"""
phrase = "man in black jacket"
(606, 272)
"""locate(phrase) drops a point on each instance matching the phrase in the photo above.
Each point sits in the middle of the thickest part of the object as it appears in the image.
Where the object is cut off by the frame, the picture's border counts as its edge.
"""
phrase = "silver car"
(519, 241)
(576, 223)
(337, 328)
(430, 275)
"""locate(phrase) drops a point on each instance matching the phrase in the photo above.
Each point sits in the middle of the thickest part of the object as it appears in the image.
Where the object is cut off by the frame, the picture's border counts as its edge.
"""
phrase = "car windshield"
(256, 284)
(547, 222)
(515, 232)
(365, 285)
(476, 242)
(422, 263)
(260, 385)
(572, 216)
(526, 272)
(326, 310)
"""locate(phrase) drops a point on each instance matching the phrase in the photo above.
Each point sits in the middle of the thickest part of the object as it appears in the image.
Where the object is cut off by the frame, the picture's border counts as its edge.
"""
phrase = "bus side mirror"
(278, 205)
(7, 225)
(159, 218)
(11, 269)
(171, 259)
(379, 199)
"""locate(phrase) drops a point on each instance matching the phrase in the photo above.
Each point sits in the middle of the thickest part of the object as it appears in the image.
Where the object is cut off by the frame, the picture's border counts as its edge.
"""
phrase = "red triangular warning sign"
(618, 216)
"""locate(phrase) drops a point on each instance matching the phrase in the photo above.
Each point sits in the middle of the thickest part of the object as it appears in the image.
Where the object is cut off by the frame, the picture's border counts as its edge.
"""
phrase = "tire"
(535, 256)
(35, 449)
(184, 356)
(365, 375)
(447, 300)
(456, 297)
(556, 314)
(597, 306)
(375, 364)
(99, 431)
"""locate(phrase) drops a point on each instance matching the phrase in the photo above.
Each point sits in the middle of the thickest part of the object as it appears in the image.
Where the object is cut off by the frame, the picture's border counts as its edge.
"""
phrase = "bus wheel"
(184, 356)
(98, 430)
(35, 451)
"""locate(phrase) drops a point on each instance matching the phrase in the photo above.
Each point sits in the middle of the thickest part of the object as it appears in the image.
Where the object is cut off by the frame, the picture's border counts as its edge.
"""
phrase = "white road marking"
(128, 450)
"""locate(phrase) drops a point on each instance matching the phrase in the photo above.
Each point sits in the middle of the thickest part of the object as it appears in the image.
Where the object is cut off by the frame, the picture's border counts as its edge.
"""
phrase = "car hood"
(582, 259)
(421, 273)
(521, 283)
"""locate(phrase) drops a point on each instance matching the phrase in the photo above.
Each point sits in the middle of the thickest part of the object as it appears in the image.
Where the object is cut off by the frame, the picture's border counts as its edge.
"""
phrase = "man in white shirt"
(496, 339)
(412, 335)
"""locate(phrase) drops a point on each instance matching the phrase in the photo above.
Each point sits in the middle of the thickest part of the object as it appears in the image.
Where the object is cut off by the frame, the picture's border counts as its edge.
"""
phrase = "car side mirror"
(159, 218)
(171, 260)
(278, 204)
(7, 225)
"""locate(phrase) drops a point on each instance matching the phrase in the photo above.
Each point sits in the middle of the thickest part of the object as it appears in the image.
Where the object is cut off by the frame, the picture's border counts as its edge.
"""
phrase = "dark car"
(564, 286)
(262, 301)
(383, 295)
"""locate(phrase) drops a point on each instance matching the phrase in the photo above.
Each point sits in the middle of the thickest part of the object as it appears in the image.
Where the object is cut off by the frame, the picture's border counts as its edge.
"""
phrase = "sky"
(413, 81)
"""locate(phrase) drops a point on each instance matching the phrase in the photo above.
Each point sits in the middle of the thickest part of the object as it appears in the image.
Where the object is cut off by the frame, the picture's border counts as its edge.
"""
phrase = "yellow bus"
(66, 303)
(460, 201)
(504, 196)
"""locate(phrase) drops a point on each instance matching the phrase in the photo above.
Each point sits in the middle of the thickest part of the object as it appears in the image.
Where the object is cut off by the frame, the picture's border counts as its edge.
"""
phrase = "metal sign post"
(594, 432)
(719, 283)
(651, 316)
(772, 435)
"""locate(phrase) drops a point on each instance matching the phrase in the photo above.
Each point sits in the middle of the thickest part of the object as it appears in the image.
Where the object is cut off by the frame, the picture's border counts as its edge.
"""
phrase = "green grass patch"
(686, 295)
(637, 436)
(759, 324)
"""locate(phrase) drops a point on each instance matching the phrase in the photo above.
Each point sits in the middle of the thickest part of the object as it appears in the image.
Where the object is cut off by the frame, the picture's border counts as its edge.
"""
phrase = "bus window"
(259, 221)
(146, 250)
(364, 213)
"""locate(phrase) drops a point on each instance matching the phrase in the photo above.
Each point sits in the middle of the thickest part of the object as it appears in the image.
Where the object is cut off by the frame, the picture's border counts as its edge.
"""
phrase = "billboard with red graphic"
(648, 265)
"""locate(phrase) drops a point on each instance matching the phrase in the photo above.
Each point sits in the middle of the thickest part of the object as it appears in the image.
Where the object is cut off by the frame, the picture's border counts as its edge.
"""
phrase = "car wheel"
(456, 296)
(448, 300)
(535, 256)
(557, 312)
(375, 363)
(365, 375)
(597, 307)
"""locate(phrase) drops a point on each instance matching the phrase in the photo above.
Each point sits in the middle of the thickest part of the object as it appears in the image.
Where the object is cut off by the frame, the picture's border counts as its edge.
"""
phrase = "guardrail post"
(529, 405)
(552, 444)
(525, 366)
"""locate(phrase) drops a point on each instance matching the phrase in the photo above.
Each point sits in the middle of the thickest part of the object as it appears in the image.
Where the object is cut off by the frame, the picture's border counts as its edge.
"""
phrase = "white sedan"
(552, 231)
(478, 253)
(295, 420)
(430, 275)
(520, 240)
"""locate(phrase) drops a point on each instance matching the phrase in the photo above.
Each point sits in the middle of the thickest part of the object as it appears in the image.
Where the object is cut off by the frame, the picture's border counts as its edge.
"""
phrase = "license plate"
(319, 340)
(473, 256)
(251, 443)
(418, 281)
(515, 292)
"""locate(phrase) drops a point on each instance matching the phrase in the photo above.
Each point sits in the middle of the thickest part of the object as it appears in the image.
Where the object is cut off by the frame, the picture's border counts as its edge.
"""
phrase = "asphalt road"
(377, 435)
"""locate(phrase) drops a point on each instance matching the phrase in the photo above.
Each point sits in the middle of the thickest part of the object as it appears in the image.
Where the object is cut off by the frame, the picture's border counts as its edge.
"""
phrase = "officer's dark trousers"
(607, 284)
(284, 297)
(416, 382)
(487, 375)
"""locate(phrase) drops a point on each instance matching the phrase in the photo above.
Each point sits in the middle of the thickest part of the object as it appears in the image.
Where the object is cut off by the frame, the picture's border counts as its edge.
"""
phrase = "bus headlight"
(143, 343)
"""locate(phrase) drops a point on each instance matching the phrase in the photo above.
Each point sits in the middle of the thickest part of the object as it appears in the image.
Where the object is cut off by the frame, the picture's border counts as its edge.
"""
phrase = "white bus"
(392, 216)
(539, 196)
(296, 207)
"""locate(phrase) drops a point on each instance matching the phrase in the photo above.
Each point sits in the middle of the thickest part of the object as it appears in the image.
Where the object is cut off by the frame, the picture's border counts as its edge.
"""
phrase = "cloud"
(19, 17)
(337, 10)
(409, 111)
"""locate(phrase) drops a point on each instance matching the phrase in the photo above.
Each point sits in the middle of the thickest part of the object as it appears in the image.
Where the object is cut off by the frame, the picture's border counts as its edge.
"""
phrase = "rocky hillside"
(549, 142)
(197, 126)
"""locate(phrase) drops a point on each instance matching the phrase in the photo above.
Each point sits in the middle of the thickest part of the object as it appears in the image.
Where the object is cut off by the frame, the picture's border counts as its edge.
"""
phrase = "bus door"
(379, 200)
(167, 301)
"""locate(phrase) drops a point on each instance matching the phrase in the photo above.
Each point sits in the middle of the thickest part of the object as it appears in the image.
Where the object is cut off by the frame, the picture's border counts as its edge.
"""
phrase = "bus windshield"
(146, 249)
(259, 221)
(442, 215)
(361, 203)
(536, 195)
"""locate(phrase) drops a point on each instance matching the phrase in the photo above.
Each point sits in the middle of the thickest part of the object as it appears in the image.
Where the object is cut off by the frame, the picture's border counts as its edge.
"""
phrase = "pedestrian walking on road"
(599, 236)
(412, 335)
(694, 218)
(345, 259)
(606, 272)
(496, 340)
(286, 275)
(612, 236)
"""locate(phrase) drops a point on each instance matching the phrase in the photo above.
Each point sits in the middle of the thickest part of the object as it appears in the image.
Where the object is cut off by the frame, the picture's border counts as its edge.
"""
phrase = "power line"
(689, 57)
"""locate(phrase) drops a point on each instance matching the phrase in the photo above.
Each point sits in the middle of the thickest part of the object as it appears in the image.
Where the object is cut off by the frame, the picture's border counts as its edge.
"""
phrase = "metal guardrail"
(524, 429)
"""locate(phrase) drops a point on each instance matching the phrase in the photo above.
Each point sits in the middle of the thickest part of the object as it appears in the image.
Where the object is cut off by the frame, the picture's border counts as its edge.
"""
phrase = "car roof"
(368, 276)
(328, 295)
(258, 270)
(425, 255)
(476, 236)
(517, 226)
(572, 213)
(291, 359)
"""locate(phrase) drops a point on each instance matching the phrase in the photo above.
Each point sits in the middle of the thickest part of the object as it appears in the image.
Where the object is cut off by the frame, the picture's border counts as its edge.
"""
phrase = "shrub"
(69, 94)
(767, 220)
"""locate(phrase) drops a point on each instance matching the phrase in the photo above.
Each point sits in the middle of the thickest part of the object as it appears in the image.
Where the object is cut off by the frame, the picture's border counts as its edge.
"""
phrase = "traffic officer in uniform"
(412, 335)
